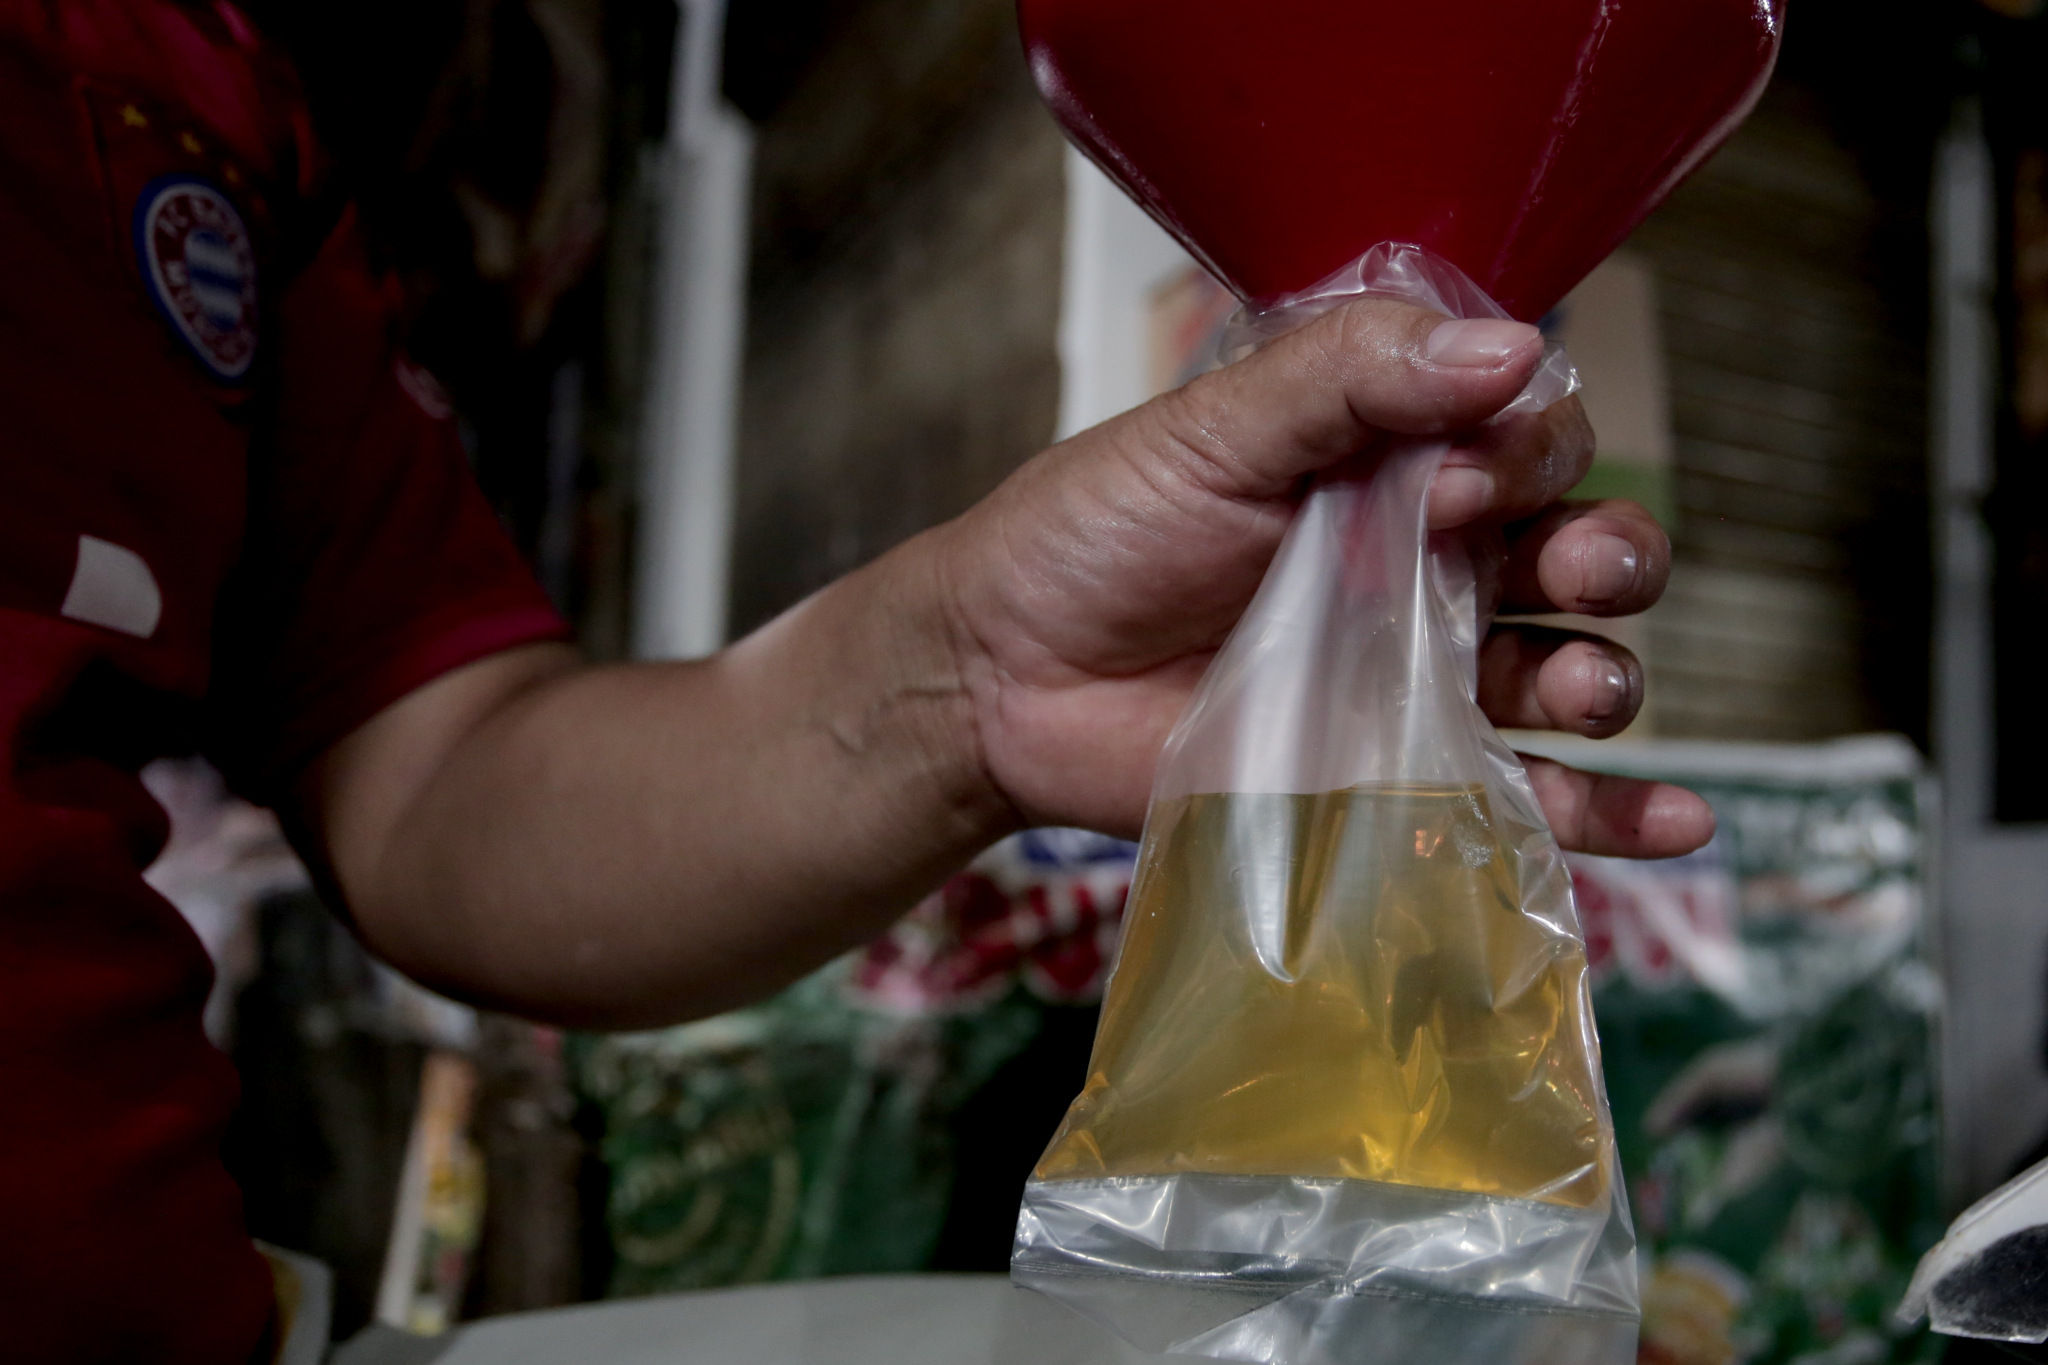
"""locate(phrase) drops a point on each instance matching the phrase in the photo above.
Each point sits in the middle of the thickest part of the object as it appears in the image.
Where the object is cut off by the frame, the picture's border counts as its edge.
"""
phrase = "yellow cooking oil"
(1348, 986)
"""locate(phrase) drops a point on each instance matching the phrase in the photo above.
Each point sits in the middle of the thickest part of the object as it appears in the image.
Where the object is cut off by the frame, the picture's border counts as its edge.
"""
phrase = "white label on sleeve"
(113, 587)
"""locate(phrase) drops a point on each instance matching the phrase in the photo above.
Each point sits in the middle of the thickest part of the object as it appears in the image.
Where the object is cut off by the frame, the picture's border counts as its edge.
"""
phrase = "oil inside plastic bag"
(1345, 1102)
(1344, 986)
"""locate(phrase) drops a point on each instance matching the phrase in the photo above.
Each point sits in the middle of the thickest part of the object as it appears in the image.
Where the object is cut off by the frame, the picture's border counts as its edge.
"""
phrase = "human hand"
(1089, 592)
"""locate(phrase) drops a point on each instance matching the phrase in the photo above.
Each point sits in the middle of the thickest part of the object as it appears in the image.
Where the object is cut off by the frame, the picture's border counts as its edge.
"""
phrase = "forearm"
(629, 845)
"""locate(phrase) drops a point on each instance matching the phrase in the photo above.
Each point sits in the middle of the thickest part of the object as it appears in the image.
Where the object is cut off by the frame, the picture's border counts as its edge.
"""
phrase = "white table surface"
(867, 1320)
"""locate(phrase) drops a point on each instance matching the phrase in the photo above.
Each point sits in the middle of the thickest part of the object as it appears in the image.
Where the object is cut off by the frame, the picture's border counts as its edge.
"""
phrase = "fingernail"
(1610, 692)
(1458, 495)
(1478, 341)
(1609, 566)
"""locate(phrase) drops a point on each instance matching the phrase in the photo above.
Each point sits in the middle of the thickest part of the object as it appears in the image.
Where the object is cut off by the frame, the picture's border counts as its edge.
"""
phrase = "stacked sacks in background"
(1766, 1017)
(882, 1113)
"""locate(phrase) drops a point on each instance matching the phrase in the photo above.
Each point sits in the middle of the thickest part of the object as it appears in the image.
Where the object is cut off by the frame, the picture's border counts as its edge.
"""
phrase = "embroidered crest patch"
(200, 266)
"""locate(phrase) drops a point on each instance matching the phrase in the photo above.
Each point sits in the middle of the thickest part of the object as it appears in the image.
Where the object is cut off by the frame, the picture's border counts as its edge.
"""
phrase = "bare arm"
(629, 845)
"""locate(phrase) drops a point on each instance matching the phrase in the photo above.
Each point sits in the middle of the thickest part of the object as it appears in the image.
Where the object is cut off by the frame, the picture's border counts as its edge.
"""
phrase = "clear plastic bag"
(1345, 1100)
(1985, 1278)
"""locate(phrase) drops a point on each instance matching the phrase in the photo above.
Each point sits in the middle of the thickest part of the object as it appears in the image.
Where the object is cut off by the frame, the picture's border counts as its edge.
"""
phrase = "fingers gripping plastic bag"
(1345, 1101)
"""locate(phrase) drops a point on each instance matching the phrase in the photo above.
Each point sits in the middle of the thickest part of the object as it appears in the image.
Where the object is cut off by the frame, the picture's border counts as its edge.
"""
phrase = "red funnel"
(1520, 140)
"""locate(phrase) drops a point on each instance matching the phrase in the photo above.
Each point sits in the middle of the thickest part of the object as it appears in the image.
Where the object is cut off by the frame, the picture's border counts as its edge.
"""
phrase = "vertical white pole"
(697, 335)
(1115, 257)
(1992, 879)
(1964, 362)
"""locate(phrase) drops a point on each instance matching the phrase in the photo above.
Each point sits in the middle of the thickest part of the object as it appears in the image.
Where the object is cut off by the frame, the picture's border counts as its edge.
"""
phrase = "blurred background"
(733, 298)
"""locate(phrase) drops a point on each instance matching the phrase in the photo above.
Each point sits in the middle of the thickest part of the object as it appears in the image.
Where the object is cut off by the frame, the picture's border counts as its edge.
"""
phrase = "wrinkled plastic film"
(1983, 1278)
(1345, 1102)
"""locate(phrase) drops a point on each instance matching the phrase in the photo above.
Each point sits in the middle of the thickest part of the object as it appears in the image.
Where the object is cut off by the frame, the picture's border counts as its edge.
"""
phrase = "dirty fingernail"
(1478, 341)
(1610, 693)
(1458, 495)
(1610, 567)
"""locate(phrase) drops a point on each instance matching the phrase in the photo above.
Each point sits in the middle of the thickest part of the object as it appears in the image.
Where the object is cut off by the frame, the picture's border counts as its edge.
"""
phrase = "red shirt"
(232, 518)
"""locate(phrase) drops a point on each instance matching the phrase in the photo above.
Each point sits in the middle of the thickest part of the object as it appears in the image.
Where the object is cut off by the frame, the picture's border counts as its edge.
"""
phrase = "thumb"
(1326, 391)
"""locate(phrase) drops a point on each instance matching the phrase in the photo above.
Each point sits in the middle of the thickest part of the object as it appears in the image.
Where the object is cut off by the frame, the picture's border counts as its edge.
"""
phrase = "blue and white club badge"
(200, 266)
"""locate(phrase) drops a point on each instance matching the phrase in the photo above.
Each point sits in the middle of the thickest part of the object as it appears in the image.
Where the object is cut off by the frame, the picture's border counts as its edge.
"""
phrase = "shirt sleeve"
(371, 562)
